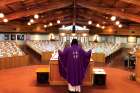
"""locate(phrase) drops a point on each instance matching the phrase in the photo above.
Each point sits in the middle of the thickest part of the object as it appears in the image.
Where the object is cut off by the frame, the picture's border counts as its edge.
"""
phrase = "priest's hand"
(59, 50)
(91, 49)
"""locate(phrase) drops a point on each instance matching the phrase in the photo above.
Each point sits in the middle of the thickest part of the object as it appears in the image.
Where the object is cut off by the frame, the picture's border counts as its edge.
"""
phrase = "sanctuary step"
(99, 77)
(42, 75)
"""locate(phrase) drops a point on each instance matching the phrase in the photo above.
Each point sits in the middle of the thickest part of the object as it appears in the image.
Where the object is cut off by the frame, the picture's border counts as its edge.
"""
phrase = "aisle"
(33, 58)
(117, 62)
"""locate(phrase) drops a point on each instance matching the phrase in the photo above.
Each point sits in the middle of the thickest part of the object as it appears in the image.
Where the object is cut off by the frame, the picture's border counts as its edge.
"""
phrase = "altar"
(56, 79)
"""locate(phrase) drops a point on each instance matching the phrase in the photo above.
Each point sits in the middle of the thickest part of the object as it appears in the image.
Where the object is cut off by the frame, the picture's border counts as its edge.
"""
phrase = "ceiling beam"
(94, 18)
(56, 17)
(135, 2)
(48, 7)
(62, 23)
(65, 22)
(110, 11)
(15, 24)
(68, 22)
(3, 3)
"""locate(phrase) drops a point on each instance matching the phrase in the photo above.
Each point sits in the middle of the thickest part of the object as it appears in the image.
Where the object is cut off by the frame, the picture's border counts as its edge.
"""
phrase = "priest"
(73, 62)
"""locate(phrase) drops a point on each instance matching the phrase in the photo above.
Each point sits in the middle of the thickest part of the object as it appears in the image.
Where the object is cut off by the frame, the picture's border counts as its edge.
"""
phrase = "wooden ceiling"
(19, 12)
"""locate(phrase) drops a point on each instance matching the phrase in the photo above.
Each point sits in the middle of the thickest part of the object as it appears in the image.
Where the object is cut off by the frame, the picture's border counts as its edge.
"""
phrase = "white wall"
(132, 39)
(138, 40)
(40, 37)
(31, 37)
(37, 37)
(116, 39)
(119, 39)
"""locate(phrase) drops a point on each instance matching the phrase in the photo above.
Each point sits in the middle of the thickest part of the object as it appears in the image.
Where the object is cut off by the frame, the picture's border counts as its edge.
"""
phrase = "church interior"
(32, 32)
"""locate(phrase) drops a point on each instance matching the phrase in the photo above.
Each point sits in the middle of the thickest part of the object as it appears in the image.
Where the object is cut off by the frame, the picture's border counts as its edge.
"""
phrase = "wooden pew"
(15, 61)
(46, 56)
(43, 56)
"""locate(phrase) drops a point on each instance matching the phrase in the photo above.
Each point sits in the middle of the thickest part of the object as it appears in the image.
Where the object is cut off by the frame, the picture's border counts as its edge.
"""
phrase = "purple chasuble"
(73, 62)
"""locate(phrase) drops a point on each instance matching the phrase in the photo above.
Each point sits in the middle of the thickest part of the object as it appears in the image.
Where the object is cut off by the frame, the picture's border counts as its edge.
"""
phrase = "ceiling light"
(103, 27)
(50, 24)
(106, 17)
(73, 34)
(27, 8)
(36, 16)
(62, 34)
(63, 26)
(58, 22)
(29, 23)
(117, 22)
(113, 18)
(120, 25)
(97, 25)
(32, 20)
(90, 22)
(122, 10)
(84, 27)
(73, 23)
(1, 15)
(84, 34)
(5, 20)
(104, 22)
(45, 26)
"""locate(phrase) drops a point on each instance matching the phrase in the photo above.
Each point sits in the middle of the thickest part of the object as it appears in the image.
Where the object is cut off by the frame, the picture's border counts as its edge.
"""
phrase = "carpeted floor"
(23, 80)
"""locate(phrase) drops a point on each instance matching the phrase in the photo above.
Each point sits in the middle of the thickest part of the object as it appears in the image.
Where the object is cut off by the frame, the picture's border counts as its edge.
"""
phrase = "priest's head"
(74, 42)
(67, 44)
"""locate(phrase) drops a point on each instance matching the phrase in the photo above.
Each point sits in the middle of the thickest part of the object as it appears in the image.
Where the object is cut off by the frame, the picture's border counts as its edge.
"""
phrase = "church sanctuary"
(33, 33)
